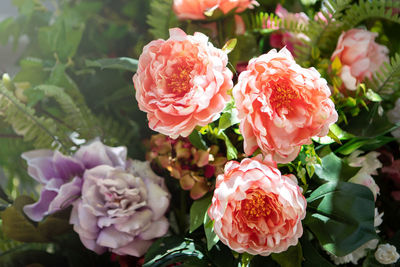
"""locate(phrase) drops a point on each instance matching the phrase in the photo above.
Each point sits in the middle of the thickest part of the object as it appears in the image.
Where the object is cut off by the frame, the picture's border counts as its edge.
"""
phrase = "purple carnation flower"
(62, 175)
(121, 210)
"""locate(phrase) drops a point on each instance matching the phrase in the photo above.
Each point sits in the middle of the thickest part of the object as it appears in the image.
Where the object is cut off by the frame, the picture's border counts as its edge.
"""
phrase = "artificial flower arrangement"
(275, 145)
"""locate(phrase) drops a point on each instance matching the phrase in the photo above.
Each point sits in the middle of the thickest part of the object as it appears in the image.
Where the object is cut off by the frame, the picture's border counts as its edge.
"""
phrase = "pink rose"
(359, 55)
(194, 9)
(256, 209)
(182, 82)
(281, 105)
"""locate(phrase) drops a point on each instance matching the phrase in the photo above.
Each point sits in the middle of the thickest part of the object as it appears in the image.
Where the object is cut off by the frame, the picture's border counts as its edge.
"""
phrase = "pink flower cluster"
(359, 55)
(281, 105)
(182, 82)
(256, 209)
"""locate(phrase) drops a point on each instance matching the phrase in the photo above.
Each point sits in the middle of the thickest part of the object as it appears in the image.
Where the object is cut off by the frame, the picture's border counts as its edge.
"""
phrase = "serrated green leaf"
(341, 215)
(121, 63)
(198, 211)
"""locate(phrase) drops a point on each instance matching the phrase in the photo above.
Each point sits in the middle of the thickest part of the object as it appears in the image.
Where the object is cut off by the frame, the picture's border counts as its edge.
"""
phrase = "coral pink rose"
(182, 82)
(281, 105)
(256, 209)
(360, 56)
(195, 9)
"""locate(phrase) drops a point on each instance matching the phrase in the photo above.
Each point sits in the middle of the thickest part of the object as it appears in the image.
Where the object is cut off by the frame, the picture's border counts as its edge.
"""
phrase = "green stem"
(245, 260)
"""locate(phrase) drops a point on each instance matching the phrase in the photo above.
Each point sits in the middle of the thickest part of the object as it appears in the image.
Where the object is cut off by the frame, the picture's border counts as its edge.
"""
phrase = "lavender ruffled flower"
(121, 210)
(61, 176)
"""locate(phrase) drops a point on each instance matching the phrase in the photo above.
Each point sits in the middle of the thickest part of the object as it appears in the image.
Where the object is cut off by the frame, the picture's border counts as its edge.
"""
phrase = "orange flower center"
(179, 81)
(282, 96)
(259, 204)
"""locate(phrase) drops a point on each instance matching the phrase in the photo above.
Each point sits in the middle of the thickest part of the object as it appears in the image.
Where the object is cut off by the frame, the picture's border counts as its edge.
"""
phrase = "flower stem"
(245, 260)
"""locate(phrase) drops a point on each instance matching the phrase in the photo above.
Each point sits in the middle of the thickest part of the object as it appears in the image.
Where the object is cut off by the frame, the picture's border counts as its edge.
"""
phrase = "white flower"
(394, 117)
(386, 254)
(369, 164)
(360, 252)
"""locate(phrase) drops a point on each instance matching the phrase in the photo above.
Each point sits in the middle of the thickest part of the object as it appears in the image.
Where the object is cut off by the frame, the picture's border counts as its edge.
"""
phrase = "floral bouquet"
(274, 135)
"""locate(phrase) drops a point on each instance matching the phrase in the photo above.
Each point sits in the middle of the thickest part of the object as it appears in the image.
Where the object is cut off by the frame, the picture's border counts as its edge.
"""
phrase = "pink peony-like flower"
(281, 105)
(359, 55)
(195, 9)
(120, 210)
(182, 82)
(256, 209)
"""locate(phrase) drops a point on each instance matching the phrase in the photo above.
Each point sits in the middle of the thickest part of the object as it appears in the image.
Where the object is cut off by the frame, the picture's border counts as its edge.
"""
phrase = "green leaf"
(227, 119)
(374, 97)
(31, 258)
(4, 196)
(121, 63)
(173, 249)
(311, 255)
(17, 226)
(335, 130)
(351, 146)
(333, 169)
(334, 137)
(31, 71)
(62, 38)
(341, 215)
(231, 151)
(370, 124)
(229, 46)
(161, 18)
(211, 237)
(330, 167)
(292, 257)
(260, 261)
(197, 140)
(221, 255)
(198, 210)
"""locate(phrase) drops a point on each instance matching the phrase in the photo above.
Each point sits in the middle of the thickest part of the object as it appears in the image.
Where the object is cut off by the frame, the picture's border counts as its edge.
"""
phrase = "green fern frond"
(387, 78)
(320, 32)
(161, 18)
(367, 9)
(78, 118)
(258, 21)
(115, 133)
(41, 131)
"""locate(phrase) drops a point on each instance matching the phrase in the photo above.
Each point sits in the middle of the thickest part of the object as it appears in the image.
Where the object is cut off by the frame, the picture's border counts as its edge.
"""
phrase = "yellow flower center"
(258, 205)
(179, 81)
(282, 97)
